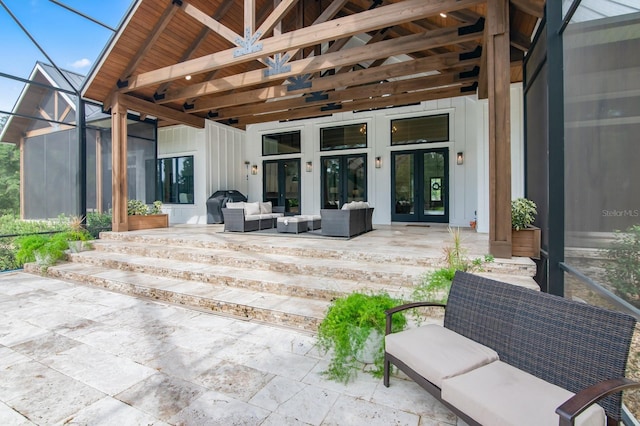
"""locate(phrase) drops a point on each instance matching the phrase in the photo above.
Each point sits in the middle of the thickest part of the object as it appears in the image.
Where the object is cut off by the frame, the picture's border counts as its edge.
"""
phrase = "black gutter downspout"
(81, 128)
(556, 189)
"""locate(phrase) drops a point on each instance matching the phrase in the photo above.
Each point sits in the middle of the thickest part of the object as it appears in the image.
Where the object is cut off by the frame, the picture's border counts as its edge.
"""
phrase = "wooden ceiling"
(255, 61)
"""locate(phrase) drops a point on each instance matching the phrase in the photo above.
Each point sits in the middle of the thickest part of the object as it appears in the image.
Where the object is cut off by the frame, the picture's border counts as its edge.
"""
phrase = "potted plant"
(142, 216)
(354, 325)
(525, 238)
(77, 235)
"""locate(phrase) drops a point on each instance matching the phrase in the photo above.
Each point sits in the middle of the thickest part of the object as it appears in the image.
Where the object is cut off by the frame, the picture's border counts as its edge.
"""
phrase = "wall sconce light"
(309, 166)
(460, 159)
(254, 169)
(378, 162)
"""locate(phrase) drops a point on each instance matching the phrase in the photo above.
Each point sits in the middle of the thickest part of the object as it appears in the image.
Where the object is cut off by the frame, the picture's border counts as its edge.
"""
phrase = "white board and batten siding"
(218, 154)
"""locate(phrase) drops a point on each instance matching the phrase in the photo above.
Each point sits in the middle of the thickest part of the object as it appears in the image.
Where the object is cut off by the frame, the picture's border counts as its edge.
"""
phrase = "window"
(281, 143)
(433, 128)
(175, 180)
(343, 137)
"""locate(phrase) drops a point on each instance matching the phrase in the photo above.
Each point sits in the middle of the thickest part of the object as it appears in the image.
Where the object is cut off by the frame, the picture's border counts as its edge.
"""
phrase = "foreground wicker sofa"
(352, 219)
(507, 355)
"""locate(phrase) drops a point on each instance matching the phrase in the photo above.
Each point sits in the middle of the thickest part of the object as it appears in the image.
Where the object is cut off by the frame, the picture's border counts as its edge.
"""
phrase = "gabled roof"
(183, 61)
(46, 79)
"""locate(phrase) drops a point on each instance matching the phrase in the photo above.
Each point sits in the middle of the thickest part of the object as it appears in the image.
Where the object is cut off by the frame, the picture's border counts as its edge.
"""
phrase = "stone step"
(387, 273)
(260, 280)
(296, 312)
(308, 248)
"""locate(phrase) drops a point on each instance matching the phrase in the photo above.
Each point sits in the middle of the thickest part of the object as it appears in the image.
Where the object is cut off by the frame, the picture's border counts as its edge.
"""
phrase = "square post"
(499, 93)
(120, 220)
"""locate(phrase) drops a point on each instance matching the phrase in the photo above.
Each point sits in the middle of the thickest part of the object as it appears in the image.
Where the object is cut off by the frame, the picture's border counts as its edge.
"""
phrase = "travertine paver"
(71, 354)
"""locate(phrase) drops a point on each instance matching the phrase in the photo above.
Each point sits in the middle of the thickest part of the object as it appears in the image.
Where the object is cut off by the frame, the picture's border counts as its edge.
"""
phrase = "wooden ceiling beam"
(211, 23)
(354, 93)
(279, 12)
(353, 78)
(249, 16)
(381, 102)
(530, 7)
(370, 20)
(381, 49)
(160, 111)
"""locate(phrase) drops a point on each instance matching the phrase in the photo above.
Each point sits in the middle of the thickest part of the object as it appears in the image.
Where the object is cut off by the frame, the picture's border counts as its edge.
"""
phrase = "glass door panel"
(271, 183)
(356, 178)
(434, 179)
(331, 183)
(292, 186)
(404, 181)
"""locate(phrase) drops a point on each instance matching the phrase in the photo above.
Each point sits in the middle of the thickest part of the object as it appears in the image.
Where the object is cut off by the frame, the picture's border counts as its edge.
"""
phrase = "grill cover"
(218, 200)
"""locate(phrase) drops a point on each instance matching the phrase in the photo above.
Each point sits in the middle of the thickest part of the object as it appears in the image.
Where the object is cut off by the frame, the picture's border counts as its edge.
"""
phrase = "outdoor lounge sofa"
(507, 355)
(243, 217)
(352, 219)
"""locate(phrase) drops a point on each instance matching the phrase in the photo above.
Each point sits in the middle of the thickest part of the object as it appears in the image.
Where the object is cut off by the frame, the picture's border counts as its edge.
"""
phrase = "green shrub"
(346, 327)
(137, 207)
(98, 222)
(624, 269)
(523, 213)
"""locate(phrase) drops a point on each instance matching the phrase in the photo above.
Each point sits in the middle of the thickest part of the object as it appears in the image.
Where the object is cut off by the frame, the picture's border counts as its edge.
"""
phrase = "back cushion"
(482, 310)
(570, 344)
(266, 208)
(251, 208)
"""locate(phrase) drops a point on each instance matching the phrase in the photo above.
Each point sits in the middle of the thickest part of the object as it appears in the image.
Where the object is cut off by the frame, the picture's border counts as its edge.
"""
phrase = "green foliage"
(27, 247)
(137, 207)
(98, 222)
(523, 213)
(624, 269)
(435, 285)
(346, 327)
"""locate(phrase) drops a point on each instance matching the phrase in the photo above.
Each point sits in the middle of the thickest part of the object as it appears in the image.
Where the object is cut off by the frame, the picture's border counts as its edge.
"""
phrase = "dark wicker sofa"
(510, 355)
(348, 221)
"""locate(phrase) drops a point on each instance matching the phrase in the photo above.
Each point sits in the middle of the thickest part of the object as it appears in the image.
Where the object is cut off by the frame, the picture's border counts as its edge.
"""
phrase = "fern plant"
(347, 326)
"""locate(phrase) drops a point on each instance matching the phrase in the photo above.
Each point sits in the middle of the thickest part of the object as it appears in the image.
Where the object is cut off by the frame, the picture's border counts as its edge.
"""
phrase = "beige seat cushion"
(437, 353)
(499, 394)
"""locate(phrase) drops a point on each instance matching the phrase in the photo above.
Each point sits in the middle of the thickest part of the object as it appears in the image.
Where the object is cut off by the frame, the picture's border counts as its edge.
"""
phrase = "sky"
(72, 42)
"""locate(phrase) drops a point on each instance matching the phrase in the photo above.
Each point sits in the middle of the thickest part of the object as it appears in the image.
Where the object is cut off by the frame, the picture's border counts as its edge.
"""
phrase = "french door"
(420, 186)
(281, 182)
(344, 179)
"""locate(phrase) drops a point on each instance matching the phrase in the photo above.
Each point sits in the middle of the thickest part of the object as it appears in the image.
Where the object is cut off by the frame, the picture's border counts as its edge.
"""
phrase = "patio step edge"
(284, 284)
(251, 311)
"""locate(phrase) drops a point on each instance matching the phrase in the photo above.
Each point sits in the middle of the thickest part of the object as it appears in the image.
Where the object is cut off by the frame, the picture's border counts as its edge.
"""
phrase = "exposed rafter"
(257, 60)
(370, 20)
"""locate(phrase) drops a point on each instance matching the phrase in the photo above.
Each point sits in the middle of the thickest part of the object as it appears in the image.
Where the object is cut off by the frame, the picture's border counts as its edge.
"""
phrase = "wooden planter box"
(137, 222)
(526, 242)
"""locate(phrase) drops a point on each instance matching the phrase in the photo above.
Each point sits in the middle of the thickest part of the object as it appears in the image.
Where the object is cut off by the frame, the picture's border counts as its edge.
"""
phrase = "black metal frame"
(343, 194)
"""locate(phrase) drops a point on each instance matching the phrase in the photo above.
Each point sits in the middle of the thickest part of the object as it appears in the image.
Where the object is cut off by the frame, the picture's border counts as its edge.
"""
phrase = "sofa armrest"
(389, 313)
(575, 405)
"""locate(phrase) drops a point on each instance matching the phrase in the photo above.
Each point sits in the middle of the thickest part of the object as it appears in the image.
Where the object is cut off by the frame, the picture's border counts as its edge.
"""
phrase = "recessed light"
(188, 77)
(444, 15)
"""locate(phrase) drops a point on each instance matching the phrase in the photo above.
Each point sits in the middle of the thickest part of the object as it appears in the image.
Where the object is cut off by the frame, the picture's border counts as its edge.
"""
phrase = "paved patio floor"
(76, 355)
